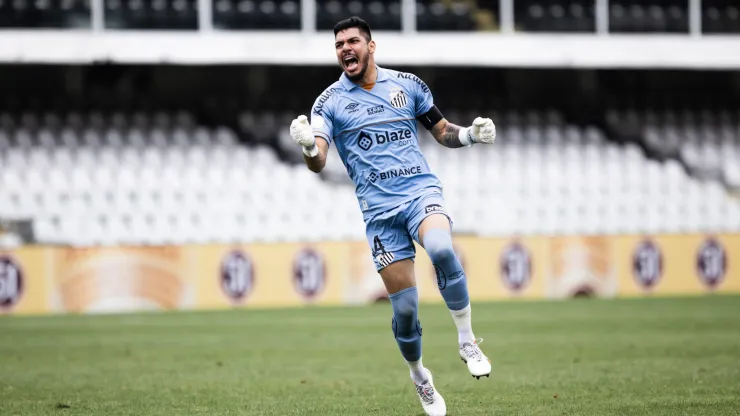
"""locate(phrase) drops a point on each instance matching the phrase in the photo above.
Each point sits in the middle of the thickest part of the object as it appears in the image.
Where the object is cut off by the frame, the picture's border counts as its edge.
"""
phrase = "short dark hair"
(354, 21)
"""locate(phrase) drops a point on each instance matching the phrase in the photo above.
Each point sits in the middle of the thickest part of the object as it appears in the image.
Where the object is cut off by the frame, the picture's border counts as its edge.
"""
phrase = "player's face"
(353, 52)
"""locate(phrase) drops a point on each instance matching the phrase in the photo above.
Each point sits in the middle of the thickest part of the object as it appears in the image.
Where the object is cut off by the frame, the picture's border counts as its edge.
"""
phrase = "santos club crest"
(398, 98)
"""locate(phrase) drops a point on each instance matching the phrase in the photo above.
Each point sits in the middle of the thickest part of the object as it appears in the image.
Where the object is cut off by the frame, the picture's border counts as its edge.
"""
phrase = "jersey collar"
(347, 84)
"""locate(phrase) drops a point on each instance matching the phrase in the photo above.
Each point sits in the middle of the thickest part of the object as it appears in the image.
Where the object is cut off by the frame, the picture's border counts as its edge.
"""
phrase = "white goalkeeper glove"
(301, 132)
(482, 131)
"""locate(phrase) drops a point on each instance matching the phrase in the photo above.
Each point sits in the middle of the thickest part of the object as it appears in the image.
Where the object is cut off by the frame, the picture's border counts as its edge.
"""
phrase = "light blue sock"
(450, 275)
(406, 325)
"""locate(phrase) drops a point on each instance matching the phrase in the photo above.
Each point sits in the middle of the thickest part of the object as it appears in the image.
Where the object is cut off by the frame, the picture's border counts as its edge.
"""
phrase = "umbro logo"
(352, 107)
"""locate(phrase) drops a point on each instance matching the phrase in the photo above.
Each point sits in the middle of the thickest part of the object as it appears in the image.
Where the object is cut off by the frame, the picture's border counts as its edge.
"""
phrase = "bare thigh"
(398, 276)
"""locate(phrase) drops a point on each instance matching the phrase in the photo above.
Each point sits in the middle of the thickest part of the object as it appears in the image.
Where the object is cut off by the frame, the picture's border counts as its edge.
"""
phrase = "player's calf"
(407, 329)
(450, 280)
(454, 288)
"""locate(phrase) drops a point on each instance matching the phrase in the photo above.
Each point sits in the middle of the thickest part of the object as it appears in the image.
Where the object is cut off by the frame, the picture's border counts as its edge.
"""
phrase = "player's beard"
(362, 64)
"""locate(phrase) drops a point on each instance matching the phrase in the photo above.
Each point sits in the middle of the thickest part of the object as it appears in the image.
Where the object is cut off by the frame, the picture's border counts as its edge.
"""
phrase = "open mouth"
(351, 63)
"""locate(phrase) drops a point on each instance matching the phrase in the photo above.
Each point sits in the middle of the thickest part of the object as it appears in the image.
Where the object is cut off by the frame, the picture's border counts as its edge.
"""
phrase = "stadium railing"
(558, 33)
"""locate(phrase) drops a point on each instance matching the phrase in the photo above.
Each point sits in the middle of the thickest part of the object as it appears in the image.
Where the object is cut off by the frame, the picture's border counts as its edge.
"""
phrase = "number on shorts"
(377, 245)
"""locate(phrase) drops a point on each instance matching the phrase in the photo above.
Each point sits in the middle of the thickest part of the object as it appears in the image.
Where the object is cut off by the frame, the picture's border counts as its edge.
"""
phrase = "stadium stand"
(667, 16)
(66, 14)
(161, 179)
(123, 167)
(247, 14)
(555, 16)
(720, 16)
(625, 16)
(151, 15)
(153, 182)
(708, 144)
(381, 15)
(446, 16)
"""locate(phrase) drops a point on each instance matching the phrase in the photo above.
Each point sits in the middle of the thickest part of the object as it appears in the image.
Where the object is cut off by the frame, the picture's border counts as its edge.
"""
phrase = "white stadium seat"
(158, 179)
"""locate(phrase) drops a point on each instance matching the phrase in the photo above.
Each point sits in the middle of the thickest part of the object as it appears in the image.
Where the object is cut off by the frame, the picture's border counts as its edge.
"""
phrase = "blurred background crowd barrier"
(145, 160)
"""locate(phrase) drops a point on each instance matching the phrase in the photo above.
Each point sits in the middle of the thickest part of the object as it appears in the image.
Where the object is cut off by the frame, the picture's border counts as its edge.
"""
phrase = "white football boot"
(431, 400)
(478, 364)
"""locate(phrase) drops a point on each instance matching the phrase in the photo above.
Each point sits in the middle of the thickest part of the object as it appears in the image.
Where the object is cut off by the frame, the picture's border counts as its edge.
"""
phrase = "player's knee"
(405, 303)
(406, 325)
(438, 245)
(405, 307)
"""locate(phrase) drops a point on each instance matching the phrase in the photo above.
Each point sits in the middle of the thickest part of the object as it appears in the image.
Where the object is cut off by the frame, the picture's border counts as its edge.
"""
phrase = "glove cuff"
(465, 137)
(311, 151)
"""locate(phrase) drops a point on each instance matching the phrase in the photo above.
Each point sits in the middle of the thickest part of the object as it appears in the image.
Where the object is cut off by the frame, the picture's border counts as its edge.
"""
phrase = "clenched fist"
(301, 132)
(483, 131)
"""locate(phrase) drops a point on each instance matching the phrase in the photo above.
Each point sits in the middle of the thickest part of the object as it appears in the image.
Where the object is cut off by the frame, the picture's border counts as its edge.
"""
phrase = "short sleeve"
(322, 115)
(423, 96)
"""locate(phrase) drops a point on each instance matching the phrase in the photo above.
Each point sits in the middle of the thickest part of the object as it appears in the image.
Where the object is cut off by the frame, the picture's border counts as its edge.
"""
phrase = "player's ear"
(371, 46)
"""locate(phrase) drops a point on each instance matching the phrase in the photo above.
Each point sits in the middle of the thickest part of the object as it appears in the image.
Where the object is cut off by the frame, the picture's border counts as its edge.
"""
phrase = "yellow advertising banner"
(678, 265)
(37, 280)
(24, 283)
(581, 266)
(270, 275)
(116, 279)
(495, 268)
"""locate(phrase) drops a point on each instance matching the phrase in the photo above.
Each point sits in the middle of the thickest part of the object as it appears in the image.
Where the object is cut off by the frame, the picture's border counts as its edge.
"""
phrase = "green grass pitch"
(677, 356)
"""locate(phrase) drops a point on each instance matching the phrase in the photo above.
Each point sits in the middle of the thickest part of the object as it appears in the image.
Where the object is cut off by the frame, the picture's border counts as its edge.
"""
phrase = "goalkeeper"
(370, 114)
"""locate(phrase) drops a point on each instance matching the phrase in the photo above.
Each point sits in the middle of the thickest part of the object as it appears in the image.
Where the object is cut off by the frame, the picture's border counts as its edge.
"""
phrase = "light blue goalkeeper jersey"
(375, 133)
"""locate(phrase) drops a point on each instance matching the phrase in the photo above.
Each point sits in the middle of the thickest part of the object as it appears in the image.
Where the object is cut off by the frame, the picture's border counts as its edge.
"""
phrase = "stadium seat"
(436, 15)
(151, 179)
(381, 15)
(720, 16)
(68, 14)
(554, 16)
(638, 16)
(254, 14)
(151, 15)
